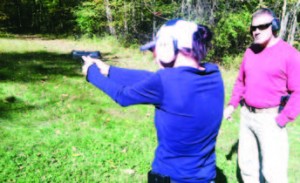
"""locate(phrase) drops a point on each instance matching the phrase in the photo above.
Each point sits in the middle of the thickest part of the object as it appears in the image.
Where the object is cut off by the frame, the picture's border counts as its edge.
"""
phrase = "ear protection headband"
(275, 21)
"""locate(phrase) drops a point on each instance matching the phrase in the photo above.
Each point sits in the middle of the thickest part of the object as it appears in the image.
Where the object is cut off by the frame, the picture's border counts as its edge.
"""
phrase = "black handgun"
(77, 54)
(283, 101)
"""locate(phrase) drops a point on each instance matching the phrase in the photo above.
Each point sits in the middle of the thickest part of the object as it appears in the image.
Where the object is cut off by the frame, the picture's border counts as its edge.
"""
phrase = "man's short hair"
(263, 11)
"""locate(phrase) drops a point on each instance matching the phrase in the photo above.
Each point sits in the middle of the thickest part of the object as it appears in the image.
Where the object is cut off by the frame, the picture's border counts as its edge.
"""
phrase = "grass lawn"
(55, 127)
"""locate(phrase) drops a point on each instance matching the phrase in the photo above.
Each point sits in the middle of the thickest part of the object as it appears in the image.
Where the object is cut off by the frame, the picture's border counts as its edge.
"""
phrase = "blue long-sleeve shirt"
(188, 113)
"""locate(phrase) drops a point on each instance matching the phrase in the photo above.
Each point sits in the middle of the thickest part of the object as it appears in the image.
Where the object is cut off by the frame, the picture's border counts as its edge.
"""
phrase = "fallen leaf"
(129, 171)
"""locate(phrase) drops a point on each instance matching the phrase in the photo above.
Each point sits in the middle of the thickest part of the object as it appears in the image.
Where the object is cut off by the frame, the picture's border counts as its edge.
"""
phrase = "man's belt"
(262, 110)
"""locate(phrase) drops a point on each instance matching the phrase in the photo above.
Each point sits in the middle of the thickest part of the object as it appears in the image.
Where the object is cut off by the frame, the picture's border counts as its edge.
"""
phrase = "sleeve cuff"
(235, 105)
(111, 72)
(282, 120)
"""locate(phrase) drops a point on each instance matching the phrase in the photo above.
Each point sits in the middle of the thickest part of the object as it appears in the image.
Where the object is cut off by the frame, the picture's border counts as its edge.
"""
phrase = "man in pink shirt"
(269, 72)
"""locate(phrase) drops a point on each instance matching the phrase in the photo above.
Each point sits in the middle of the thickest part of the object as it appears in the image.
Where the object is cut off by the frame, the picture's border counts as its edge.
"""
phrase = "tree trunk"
(154, 26)
(284, 20)
(133, 15)
(125, 18)
(19, 19)
(283, 25)
(182, 7)
(261, 2)
(197, 10)
(291, 36)
(109, 17)
(212, 9)
(142, 12)
(189, 6)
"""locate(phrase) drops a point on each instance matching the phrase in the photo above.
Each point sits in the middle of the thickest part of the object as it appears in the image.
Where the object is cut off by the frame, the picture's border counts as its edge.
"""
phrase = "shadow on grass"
(221, 178)
(234, 150)
(11, 104)
(36, 66)
(33, 67)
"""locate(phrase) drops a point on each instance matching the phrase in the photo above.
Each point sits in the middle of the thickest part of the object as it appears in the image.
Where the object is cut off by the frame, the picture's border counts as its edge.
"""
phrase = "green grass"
(55, 127)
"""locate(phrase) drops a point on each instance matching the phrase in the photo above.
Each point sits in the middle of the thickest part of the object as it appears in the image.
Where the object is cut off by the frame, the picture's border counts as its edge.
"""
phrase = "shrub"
(231, 36)
(88, 18)
(232, 62)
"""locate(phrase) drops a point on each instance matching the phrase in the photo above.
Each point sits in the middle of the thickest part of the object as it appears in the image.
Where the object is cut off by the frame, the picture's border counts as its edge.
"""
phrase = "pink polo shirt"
(266, 76)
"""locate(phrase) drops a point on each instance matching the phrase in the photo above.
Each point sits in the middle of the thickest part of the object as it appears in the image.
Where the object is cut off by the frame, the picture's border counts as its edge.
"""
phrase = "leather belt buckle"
(252, 109)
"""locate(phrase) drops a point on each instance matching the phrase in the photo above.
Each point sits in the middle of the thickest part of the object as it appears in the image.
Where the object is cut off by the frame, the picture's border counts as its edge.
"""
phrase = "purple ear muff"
(275, 24)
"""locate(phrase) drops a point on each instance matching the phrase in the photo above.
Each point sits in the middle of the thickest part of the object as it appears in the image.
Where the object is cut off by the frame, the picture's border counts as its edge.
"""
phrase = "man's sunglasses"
(260, 27)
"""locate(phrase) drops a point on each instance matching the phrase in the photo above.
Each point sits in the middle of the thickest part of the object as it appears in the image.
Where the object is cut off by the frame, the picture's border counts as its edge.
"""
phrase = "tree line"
(136, 21)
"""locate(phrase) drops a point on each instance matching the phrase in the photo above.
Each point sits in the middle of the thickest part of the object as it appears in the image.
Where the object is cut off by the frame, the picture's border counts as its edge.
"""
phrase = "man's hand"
(88, 61)
(228, 113)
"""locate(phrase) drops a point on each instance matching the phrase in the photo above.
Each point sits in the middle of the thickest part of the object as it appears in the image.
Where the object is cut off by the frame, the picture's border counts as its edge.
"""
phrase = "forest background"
(137, 21)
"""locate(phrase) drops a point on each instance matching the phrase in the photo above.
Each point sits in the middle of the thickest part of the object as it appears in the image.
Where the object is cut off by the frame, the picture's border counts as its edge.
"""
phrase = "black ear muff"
(275, 24)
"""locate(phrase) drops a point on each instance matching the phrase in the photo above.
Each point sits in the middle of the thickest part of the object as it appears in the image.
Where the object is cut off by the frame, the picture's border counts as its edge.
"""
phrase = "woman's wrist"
(104, 68)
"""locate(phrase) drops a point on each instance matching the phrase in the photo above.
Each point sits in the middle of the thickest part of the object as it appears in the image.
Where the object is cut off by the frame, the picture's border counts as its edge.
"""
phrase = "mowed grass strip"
(56, 127)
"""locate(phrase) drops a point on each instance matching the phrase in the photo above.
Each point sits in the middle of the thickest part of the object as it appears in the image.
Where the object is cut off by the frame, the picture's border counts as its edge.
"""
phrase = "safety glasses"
(260, 27)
